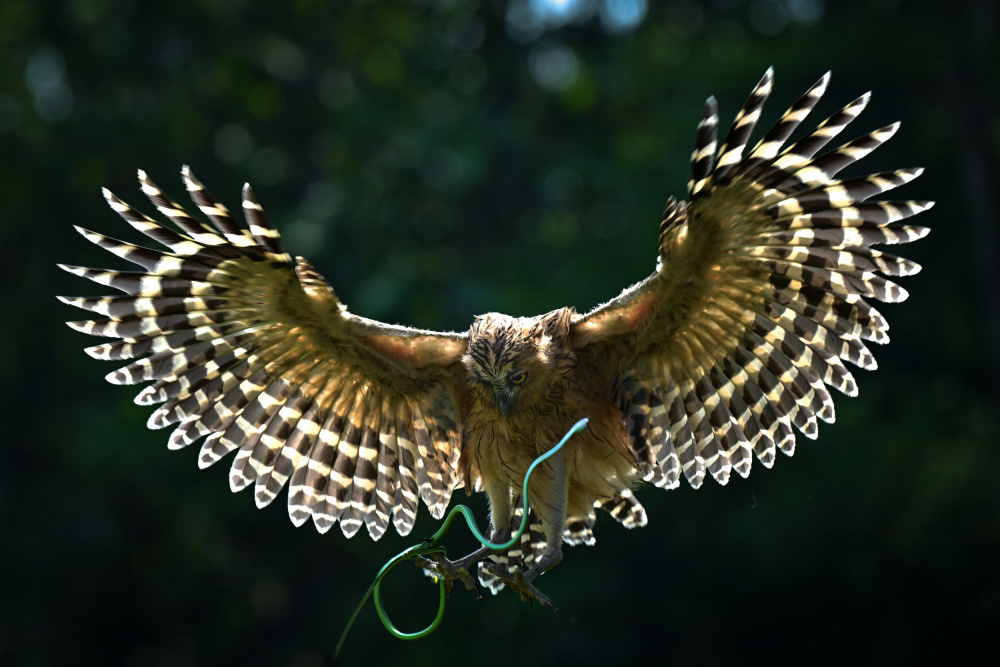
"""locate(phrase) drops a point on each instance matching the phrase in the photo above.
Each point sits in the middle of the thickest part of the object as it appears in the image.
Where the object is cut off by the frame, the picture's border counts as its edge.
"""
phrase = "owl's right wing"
(254, 352)
(759, 296)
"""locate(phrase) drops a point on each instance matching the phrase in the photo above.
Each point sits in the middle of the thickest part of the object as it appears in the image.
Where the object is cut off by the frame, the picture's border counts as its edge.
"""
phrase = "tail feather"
(625, 509)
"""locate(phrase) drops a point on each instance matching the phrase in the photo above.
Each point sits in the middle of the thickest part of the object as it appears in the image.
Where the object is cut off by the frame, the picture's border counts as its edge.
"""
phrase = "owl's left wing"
(758, 298)
(252, 351)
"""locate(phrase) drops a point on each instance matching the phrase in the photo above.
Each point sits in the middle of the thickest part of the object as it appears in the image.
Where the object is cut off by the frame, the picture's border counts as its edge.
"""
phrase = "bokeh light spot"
(45, 77)
(622, 15)
(553, 67)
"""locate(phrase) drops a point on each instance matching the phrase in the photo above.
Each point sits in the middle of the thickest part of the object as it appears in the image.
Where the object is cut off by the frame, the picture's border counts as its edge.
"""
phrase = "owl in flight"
(760, 294)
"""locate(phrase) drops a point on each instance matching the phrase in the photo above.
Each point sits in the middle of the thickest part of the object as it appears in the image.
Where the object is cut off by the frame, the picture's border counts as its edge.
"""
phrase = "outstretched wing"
(253, 351)
(759, 295)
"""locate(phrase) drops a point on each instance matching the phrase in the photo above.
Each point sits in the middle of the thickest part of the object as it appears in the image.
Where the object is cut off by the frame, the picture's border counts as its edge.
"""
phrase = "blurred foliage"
(441, 159)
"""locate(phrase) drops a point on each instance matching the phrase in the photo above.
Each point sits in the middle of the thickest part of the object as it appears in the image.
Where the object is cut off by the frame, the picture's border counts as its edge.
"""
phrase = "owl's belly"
(598, 461)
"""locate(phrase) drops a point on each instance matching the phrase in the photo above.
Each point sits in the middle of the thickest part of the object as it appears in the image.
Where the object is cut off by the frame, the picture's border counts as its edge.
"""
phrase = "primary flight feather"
(759, 296)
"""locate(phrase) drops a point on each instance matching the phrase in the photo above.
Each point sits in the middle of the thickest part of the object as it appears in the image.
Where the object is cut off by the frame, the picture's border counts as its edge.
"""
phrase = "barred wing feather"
(252, 351)
(760, 295)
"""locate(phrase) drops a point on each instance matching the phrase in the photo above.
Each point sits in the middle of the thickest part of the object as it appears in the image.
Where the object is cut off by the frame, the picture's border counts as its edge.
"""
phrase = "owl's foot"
(520, 581)
(438, 566)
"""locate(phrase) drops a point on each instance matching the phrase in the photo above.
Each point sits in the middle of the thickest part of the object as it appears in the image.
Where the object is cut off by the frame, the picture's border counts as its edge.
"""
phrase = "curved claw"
(521, 582)
(439, 567)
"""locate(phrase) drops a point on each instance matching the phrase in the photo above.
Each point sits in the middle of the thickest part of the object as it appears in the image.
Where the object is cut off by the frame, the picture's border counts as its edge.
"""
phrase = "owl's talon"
(520, 582)
(438, 566)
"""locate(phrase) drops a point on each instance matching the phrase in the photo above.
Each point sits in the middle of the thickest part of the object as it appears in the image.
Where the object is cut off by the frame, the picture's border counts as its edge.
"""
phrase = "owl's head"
(518, 361)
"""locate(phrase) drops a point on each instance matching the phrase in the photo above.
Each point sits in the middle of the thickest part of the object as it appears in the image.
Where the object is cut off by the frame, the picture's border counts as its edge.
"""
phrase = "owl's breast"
(500, 449)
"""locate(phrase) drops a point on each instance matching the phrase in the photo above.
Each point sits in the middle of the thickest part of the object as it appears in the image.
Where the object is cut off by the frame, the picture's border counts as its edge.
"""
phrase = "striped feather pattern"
(623, 508)
(761, 297)
(230, 332)
(765, 279)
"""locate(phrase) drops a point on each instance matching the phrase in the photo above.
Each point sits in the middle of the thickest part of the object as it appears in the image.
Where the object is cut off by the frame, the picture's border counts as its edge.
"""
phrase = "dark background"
(439, 160)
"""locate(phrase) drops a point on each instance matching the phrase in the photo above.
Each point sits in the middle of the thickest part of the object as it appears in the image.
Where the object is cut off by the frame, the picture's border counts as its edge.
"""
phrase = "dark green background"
(410, 150)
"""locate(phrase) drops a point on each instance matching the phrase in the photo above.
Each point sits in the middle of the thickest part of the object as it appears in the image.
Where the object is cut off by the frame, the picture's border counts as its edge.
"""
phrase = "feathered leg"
(463, 569)
(551, 507)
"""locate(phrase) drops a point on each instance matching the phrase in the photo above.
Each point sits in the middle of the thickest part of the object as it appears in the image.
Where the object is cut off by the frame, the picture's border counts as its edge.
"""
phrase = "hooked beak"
(505, 402)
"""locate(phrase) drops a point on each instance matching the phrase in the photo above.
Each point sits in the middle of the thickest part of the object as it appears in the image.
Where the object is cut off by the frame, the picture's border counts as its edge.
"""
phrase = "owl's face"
(512, 359)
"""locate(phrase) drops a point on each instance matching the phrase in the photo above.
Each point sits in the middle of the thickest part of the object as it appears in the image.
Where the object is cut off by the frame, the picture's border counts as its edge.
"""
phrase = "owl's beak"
(505, 402)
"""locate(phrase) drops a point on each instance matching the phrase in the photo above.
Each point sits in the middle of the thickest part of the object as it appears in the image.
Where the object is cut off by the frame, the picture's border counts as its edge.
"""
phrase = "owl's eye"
(518, 378)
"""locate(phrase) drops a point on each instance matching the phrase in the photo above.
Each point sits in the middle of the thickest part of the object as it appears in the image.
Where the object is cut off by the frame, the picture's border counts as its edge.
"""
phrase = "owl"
(760, 294)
